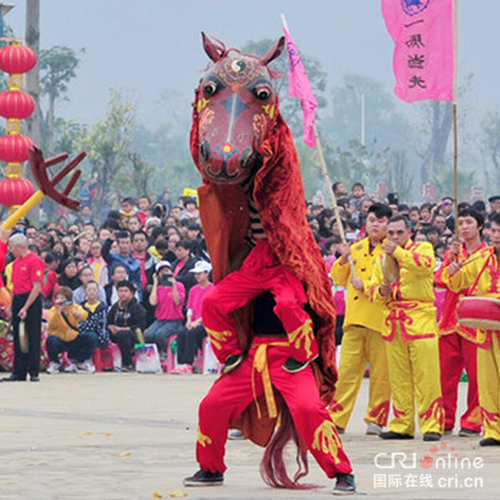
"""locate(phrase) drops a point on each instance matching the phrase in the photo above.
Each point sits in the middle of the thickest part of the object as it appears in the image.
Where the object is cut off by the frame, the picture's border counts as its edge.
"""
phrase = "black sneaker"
(432, 436)
(489, 442)
(468, 433)
(204, 478)
(394, 435)
(34, 378)
(232, 362)
(13, 378)
(291, 365)
(345, 485)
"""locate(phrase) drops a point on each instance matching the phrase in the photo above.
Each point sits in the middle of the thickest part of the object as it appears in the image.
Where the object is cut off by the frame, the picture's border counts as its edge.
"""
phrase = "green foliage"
(107, 144)
(57, 68)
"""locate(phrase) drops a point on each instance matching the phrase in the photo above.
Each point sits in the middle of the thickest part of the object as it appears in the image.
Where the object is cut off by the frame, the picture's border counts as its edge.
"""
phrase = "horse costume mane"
(238, 133)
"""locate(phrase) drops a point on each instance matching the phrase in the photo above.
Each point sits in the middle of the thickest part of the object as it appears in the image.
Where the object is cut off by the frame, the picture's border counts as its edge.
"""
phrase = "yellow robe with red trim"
(411, 303)
(412, 349)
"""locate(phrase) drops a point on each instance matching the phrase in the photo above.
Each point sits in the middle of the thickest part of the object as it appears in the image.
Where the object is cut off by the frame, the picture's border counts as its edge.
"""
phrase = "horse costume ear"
(274, 52)
(216, 50)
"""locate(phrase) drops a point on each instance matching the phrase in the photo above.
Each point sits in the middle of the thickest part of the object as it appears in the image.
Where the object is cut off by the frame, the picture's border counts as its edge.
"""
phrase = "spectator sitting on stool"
(64, 336)
(168, 296)
(190, 338)
(126, 322)
(95, 324)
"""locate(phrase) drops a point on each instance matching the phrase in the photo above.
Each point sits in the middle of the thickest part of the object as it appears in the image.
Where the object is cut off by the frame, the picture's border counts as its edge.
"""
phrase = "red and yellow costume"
(457, 350)
(257, 379)
(279, 197)
(410, 330)
(362, 341)
(483, 276)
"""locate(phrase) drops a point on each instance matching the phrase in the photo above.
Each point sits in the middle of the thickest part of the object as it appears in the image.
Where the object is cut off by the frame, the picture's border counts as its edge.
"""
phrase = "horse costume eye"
(262, 92)
(210, 88)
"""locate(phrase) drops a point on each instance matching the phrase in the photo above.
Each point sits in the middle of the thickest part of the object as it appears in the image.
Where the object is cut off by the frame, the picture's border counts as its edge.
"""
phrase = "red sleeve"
(438, 280)
(36, 270)
(3, 254)
(50, 284)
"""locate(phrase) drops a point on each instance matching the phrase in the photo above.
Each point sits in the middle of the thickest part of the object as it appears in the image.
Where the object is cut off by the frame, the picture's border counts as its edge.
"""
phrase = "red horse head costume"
(238, 132)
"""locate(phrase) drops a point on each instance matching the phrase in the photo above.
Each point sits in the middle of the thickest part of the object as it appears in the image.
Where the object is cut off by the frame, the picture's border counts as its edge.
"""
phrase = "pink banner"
(300, 87)
(424, 57)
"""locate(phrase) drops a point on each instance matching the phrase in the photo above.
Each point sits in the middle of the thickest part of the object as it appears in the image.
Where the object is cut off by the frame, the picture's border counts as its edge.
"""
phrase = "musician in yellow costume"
(410, 331)
(483, 275)
(362, 341)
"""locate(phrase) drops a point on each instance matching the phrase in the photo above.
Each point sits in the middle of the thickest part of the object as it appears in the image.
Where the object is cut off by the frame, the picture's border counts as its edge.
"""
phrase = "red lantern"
(16, 104)
(14, 148)
(15, 191)
(17, 59)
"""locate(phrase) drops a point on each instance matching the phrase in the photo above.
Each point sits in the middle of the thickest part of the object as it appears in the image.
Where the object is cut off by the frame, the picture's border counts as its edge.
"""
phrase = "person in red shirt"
(457, 344)
(27, 277)
(190, 338)
(168, 297)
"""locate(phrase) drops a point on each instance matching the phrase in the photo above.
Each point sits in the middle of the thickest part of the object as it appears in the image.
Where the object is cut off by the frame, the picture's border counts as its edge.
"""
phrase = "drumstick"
(467, 262)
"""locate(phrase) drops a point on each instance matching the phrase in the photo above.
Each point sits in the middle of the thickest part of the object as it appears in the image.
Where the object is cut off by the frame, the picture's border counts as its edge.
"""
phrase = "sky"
(146, 46)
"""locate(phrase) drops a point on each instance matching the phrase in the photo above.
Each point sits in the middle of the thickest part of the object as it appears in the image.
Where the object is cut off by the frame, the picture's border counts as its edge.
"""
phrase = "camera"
(165, 280)
(64, 303)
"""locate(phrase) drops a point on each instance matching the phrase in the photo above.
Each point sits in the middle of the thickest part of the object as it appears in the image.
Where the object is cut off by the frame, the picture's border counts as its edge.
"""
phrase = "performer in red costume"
(252, 186)
(457, 344)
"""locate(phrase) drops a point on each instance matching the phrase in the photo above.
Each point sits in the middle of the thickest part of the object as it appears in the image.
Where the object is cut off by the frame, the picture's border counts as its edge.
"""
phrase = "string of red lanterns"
(15, 105)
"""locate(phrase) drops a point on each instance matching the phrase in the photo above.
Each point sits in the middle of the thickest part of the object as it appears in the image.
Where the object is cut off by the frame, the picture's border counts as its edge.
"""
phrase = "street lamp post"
(361, 97)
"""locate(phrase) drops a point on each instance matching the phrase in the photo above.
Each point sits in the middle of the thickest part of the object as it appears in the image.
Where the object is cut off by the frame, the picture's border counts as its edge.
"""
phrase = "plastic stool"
(168, 364)
(103, 359)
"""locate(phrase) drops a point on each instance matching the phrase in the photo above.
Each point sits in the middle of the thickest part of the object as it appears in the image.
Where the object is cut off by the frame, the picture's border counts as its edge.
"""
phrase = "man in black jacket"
(126, 323)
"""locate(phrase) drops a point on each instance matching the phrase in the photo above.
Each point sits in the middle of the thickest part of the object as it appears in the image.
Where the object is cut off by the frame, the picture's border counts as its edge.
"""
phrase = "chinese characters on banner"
(424, 56)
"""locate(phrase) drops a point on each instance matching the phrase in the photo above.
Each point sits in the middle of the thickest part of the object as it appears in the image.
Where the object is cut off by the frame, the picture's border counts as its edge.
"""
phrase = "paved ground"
(129, 436)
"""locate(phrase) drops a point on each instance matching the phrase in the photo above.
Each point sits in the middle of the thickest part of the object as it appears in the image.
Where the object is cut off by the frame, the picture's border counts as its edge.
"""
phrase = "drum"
(482, 313)
(390, 269)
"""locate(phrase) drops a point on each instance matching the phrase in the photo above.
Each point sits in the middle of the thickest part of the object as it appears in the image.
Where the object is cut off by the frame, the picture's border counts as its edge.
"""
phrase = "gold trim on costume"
(202, 439)
(327, 440)
(303, 333)
(218, 337)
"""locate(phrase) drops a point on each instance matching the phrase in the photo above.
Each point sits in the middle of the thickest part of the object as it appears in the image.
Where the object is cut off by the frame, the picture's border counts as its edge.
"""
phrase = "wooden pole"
(333, 199)
(455, 166)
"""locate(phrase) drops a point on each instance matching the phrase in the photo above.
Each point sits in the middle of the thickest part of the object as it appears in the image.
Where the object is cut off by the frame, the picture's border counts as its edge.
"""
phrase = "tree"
(107, 146)
(439, 121)
(58, 67)
(142, 174)
(290, 107)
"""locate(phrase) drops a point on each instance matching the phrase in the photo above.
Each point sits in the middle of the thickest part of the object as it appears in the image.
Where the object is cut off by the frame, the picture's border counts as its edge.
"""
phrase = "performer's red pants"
(231, 394)
(457, 353)
(261, 271)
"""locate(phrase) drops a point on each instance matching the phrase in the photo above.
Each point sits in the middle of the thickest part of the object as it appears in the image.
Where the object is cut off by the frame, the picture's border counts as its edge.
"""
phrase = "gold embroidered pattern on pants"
(202, 439)
(327, 440)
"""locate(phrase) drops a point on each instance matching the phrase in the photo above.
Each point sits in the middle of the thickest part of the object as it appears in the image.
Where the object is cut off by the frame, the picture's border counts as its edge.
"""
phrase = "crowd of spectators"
(141, 274)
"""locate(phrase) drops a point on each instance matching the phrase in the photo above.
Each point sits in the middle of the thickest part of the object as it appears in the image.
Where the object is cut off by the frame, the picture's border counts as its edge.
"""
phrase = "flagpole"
(455, 120)
(333, 198)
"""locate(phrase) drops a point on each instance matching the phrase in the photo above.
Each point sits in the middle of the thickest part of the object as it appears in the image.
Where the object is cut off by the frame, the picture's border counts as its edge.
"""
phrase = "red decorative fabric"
(280, 199)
